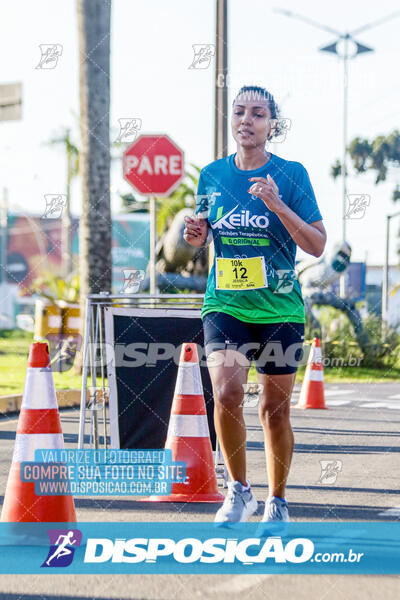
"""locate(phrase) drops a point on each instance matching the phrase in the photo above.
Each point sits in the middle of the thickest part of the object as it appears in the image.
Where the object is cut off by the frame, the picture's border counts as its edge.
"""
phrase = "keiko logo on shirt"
(242, 218)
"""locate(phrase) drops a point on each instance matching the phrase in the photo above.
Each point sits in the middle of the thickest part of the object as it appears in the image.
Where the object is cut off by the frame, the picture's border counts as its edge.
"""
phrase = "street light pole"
(342, 281)
(345, 55)
(345, 117)
(385, 279)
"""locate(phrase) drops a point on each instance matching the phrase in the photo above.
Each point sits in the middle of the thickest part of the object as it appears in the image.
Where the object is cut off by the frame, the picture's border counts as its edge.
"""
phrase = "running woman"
(257, 207)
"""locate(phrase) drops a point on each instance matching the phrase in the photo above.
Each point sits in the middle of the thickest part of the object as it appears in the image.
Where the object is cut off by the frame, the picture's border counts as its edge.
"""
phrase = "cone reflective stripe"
(38, 415)
(188, 435)
(26, 444)
(39, 427)
(312, 391)
(188, 426)
(188, 380)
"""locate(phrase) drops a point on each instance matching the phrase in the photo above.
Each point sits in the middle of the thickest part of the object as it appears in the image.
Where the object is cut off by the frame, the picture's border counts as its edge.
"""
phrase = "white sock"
(245, 488)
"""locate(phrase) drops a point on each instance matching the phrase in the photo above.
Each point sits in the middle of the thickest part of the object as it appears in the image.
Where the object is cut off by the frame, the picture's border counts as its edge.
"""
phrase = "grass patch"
(361, 375)
(14, 350)
(346, 375)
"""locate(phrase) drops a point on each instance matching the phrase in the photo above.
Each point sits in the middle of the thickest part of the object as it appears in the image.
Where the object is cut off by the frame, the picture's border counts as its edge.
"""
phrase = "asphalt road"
(360, 431)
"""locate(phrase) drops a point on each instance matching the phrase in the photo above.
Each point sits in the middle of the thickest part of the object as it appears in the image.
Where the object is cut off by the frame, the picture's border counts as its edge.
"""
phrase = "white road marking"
(8, 421)
(368, 399)
(372, 405)
(387, 405)
(338, 402)
(240, 583)
(338, 392)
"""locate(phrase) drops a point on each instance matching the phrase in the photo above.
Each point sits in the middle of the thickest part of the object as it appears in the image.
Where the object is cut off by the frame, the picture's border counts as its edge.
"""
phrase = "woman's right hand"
(196, 231)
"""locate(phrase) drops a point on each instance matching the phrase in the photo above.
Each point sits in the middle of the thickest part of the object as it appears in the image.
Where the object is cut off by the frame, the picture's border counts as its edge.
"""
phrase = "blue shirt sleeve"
(303, 201)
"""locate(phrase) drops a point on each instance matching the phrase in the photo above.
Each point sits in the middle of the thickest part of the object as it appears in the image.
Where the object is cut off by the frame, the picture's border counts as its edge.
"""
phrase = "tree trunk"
(94, 81)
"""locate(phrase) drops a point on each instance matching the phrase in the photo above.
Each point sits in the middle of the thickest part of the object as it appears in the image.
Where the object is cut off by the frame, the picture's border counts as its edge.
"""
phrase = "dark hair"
(256, 90)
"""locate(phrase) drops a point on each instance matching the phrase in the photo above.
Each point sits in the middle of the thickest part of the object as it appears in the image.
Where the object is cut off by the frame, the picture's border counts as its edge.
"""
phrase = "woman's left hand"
(268, 192)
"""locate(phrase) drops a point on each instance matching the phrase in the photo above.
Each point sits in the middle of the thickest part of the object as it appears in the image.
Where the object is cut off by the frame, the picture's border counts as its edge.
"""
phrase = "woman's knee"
(228, 395)
(275, 415)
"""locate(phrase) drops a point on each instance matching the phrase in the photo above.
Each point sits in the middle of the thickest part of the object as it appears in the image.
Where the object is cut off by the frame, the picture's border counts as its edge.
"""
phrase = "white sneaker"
(238, 506)
(275, 518)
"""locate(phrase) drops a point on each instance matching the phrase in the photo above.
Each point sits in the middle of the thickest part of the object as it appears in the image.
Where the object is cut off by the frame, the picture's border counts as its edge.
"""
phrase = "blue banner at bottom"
(293, 548)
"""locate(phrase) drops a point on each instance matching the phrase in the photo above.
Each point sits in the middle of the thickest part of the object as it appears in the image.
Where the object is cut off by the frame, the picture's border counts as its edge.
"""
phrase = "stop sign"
(153, 165)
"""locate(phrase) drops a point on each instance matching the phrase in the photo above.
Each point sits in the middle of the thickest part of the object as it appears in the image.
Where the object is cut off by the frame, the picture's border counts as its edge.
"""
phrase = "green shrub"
(340, 345)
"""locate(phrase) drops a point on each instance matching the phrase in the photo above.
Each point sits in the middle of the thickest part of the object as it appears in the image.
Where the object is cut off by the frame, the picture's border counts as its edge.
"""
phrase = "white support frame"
(100, 309)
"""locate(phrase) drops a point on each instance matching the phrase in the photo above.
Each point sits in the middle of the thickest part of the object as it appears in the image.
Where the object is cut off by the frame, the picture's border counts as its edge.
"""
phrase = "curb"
(65, 399)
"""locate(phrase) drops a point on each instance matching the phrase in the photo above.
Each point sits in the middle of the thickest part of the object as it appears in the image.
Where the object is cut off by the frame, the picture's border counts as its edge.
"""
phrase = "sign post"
(154, 166)
(153, 242)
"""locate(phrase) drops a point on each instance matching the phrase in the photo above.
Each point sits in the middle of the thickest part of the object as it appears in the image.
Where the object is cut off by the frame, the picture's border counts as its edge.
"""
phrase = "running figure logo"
(128, 129)
(61, 551)
(55, 204)
(203, 54)
(330, 470)
(286, 281)
(357, 205)
(132, 280)
(50, 53)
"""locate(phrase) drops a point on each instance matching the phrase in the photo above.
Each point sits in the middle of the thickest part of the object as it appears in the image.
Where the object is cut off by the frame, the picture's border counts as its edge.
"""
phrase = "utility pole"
(221, 84)
(221, 91)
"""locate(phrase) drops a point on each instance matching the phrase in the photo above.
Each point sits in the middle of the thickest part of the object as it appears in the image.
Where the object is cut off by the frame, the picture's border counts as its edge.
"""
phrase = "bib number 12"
(241, 274)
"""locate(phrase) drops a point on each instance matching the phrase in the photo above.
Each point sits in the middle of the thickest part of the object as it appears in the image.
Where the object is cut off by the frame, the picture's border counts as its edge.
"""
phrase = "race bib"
(240, 273)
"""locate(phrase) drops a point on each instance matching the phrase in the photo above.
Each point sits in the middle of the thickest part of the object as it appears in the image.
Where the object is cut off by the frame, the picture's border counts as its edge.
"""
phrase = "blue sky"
(151, 52)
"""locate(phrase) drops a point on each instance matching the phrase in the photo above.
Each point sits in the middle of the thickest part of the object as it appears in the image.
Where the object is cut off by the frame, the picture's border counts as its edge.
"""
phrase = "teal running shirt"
(243, 228)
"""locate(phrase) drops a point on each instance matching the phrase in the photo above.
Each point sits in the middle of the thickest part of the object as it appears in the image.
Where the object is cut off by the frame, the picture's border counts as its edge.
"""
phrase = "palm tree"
(376, 155)
(94, 87)
(184, 195)
(72, 161)
(171, 249)
(54, 288)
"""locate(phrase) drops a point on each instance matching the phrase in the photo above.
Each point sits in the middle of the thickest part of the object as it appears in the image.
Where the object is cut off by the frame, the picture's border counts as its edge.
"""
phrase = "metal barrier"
(94, 397)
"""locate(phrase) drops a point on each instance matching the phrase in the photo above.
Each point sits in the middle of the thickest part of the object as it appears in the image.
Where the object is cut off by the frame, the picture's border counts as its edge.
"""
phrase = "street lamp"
(345, 47)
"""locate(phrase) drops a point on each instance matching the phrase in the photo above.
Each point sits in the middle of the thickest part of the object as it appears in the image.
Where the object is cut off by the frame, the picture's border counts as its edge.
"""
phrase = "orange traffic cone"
(312, 391)
(189, 437)
(39, 427)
